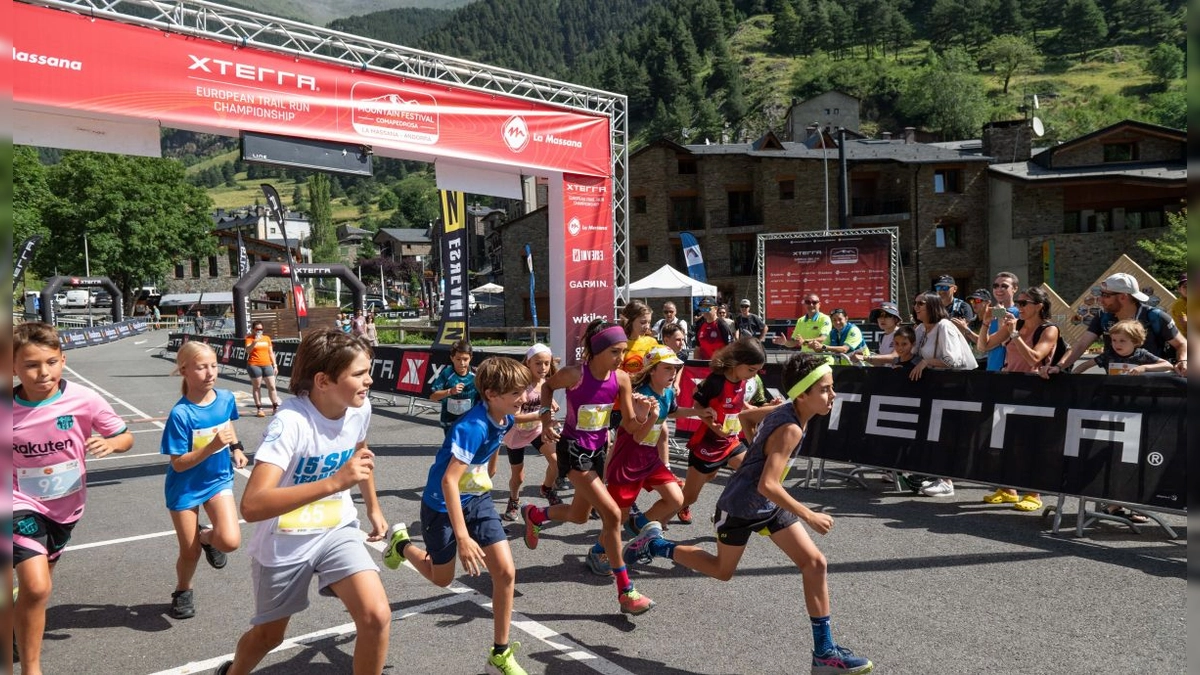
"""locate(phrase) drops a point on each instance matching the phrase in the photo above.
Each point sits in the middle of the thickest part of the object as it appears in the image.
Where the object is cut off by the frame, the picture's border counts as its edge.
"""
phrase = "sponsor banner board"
(588, 266)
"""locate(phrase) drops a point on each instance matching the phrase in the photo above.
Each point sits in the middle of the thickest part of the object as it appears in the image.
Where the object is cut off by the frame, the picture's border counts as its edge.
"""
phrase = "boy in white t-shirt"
(312, 453)
(53, 423)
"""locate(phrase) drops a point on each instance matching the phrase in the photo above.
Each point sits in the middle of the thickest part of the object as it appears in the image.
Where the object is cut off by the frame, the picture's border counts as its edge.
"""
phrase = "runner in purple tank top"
(593, 386)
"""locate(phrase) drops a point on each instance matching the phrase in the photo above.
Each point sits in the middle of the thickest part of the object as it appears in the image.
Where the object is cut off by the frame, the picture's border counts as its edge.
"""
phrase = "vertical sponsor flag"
(25, 254)
(694, 260)
(275, 204)
(532, 301)
(243, 259)
(455, 312)
(588, 262)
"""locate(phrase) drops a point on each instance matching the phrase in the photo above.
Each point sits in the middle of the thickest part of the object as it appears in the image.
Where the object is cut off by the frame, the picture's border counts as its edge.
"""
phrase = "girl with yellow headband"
(754, 500)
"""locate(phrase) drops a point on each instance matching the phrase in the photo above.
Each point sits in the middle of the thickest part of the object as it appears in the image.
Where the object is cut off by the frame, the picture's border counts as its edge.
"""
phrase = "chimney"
(887, 135)
(810, 131)
(910, 135)
(1008, 142)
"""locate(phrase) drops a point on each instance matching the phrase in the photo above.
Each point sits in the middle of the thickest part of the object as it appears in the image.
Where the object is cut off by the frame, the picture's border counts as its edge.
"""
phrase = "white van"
(78, 298)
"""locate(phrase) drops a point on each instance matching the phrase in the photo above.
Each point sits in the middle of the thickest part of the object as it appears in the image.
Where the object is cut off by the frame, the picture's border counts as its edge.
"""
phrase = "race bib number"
(528, 426)
(475, 481)
(593, 417)
(1120, 368)
(458, 406)
(46, 483)
(731, 424)
(320, 516)
(202, 437)
(652, 436)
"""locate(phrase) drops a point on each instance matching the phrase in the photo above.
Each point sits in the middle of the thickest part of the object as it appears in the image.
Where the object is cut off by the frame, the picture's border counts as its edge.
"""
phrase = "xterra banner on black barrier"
(1117, 438)
(98, 335)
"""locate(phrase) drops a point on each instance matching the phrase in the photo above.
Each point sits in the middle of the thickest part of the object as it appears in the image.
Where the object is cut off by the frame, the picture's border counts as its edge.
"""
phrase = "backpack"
(1060, 348)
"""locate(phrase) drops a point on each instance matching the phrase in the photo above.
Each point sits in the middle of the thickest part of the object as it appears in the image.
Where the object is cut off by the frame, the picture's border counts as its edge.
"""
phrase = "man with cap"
(711, 332)
(956, 308)
(1179, 307)
(812, 329)
(979, 300)
(1120, 298)
(749, 325)
(887, 315)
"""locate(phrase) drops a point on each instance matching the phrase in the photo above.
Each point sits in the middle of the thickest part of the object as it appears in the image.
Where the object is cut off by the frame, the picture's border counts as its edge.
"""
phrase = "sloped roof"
(857, 150)
(1047, 158)
(406, 235)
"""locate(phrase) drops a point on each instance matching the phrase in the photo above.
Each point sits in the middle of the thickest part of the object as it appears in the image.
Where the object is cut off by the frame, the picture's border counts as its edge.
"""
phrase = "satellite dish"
(1039, 129)
(1035, 102)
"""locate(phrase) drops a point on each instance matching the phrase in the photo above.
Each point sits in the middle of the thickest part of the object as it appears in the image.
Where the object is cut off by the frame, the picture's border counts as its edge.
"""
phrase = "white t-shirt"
(308, 447)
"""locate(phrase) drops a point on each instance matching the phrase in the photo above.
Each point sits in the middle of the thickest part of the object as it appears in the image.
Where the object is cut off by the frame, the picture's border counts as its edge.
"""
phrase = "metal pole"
(825, 170)
(87, 263)
(843, 182)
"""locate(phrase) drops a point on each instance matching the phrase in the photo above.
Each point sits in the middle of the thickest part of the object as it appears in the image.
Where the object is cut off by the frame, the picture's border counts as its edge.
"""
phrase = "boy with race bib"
(312, 453)
(455, 386)
(53, 422)
(457, 511)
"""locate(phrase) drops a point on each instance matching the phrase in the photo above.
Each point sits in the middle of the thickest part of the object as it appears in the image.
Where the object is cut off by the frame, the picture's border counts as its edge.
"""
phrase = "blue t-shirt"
(455, 405)
(472, 441)
(996, 355)
(666, 400)
(191, 427)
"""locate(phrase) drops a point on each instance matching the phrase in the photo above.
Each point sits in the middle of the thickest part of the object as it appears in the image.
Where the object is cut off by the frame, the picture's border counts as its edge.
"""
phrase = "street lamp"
(824, 170)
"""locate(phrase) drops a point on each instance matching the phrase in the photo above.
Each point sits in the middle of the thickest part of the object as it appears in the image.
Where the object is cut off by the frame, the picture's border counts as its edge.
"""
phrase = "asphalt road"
(918, 585)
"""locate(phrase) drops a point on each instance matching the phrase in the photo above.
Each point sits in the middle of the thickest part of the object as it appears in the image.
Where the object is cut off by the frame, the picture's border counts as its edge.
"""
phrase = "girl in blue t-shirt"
(455, 387)
(204, 449)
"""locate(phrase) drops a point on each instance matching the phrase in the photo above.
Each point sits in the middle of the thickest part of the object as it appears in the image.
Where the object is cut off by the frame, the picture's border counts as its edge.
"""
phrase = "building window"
(641, 253)
(233, 261)
(1142, 220)
(680, 262)
(787, 189)
(1088, 221)
(947, 181)
(741, 208)
(178, 270)
(1120, 152)
(685, 214)
(687, 166)
(639, 204)
(195, 268)
(947, 235)
(742, 257)
(212, 266)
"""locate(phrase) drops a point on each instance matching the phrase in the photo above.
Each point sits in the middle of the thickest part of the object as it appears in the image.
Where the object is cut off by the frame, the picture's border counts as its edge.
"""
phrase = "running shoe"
(223, 668)
(392, 555)
(505, 663)
(598, 563)
(685, 515)
(216, 558)
(562, 484)
(635, 603)
(182, 604)
(531, 530)
(630, 530)
(840, 660)
(511, 510)
(551, 496)
(260, 413)
(939, 488)
(638, 549)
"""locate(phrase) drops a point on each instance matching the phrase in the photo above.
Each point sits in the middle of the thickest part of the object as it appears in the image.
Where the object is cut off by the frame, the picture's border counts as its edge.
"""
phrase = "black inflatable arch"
(262, 270)
(53, 284)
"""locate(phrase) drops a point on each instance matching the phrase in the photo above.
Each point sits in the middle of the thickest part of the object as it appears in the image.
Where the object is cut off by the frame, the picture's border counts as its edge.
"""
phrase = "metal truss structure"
(244, 28)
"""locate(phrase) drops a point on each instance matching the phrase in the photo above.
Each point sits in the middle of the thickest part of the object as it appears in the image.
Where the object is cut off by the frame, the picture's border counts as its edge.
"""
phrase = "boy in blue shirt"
(455, 386)
(457, 511)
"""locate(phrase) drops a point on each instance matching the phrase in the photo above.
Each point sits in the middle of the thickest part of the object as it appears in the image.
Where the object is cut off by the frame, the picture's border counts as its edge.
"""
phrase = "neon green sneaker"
(392, 557)
(506, 663)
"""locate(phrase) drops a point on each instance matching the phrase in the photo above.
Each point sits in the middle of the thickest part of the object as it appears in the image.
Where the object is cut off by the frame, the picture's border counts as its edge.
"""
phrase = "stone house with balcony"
(1062, 215)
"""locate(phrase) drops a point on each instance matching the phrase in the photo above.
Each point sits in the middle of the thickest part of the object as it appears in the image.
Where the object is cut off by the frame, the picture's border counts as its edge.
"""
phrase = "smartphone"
(998, 313)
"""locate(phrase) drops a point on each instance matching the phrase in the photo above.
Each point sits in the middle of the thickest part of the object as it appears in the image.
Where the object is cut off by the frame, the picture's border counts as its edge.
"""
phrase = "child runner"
(527, 433)
(312, 453)
(455, 386)
(637, 462)
(716, 444)
(53, 422)
(457, 511)
(196, 436)
(755, 500)
(592, 388)
(260, 365)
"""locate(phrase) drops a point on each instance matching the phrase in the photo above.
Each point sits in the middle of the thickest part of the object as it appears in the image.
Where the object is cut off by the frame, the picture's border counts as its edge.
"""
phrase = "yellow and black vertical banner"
(456, 310)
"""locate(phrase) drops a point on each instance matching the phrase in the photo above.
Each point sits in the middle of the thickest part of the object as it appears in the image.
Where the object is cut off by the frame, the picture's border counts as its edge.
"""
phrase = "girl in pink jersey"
(527, 433)
(53, 423)
(592, 386)
(204, 451)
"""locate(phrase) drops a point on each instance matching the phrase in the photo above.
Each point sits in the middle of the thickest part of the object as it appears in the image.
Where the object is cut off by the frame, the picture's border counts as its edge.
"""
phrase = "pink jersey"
(49, 448)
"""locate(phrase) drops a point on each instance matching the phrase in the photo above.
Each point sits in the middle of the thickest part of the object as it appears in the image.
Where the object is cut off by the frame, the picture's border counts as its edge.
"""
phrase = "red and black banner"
(275, 204)
(846, 270)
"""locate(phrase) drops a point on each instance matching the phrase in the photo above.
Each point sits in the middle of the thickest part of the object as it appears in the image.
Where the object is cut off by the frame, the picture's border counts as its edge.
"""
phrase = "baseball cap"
(660, 354)
(1124, 283)
(746, 302)
(888, 308)
(708, 301)
(980, 294)
(945, 280)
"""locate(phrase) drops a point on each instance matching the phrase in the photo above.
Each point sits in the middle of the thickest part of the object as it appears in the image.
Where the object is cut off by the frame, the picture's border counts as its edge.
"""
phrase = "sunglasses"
(1000, 286)
(812, 302)
(1024, 303)
(919, 303)
(941, 288)
(1107, 294)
